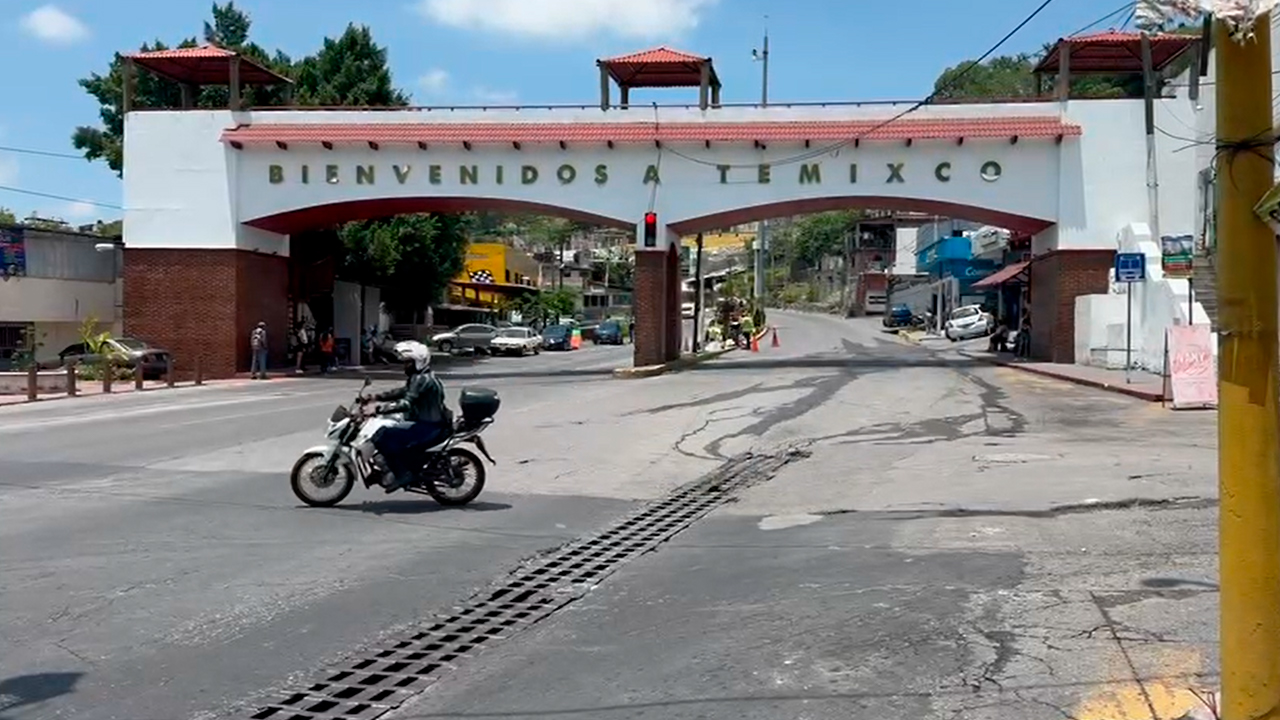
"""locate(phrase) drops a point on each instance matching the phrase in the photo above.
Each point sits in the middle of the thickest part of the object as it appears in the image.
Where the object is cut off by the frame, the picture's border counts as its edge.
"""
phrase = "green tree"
(349, 71)
(823, 234)
(43, 223)
(7, 217)
(414, 255)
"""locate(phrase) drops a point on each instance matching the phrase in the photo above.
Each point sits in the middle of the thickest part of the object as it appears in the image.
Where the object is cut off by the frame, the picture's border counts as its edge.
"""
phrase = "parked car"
(128, 352)
(516, 341)
(557, 337)
(475, 337)
(609, 332)
(968, 321)
(898, 316)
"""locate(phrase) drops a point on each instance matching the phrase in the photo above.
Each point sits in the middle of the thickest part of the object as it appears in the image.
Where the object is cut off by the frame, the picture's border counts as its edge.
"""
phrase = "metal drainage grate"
(381, 678)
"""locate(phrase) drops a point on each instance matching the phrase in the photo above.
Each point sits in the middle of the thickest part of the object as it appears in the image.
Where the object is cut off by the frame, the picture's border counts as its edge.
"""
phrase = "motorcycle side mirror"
(367, 382)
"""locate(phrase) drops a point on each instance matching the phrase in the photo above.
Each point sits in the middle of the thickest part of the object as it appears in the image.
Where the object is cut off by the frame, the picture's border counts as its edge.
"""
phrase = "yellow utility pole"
(1248, 417)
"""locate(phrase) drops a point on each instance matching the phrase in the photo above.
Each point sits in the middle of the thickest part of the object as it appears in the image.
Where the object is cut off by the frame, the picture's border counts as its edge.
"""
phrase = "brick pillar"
(649, 299)
(205, 303)
(1057, 279)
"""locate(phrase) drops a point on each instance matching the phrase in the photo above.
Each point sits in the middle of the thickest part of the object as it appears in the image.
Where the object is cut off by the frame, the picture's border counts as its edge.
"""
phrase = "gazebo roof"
(204, 65)
(1113, 51)
(660, 67)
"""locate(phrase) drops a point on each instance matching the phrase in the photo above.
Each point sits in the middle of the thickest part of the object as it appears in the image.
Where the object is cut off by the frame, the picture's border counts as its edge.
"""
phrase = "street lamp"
(116, 246)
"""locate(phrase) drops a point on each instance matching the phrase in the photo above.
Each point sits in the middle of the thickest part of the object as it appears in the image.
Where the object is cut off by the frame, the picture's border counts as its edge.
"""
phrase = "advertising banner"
(13, 252)
(1192, 377)
(1177, 253)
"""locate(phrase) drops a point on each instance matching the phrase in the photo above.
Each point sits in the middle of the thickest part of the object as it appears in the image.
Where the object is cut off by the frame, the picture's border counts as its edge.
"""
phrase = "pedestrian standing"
(326, 351)
(258, 346)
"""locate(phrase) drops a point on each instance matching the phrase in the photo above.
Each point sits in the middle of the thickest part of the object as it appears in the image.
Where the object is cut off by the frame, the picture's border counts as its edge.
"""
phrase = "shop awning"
(1001, 276)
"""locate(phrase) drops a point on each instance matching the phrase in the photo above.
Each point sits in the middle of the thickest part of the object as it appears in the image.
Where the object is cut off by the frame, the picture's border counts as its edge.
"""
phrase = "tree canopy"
(349, 70)
(7, 217)
(416, 254)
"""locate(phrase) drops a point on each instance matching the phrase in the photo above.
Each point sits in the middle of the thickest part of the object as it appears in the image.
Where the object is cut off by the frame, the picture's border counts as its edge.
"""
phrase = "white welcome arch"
(197, 182)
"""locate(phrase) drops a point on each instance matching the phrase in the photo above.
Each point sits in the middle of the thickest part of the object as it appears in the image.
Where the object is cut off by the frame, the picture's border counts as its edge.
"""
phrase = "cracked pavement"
(961, 541)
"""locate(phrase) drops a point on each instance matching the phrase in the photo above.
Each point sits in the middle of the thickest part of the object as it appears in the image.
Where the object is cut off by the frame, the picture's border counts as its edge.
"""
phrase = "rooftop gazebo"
(660, 67)
(194, 67)
(1112, 53)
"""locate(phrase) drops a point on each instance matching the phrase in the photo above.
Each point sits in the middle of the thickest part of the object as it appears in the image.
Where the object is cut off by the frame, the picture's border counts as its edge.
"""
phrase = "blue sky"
(501, 51)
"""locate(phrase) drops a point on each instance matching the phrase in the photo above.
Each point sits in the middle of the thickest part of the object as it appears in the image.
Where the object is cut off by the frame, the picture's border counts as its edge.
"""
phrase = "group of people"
(999, 341)
(303, 343)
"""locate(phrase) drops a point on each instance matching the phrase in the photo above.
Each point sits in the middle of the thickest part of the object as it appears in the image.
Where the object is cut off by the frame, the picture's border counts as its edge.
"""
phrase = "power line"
(1127, 7)
(51, 196)
(819, 152)
(41, 153)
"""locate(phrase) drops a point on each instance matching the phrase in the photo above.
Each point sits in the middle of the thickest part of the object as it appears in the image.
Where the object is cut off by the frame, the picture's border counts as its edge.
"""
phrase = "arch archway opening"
(318, 217)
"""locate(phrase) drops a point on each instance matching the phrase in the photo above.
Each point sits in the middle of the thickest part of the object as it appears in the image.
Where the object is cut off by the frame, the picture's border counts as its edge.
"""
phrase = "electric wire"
(819, 152)
(51, 196)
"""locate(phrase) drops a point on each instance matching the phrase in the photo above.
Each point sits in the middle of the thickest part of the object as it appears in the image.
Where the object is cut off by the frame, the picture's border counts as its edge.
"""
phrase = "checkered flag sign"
(481, 276)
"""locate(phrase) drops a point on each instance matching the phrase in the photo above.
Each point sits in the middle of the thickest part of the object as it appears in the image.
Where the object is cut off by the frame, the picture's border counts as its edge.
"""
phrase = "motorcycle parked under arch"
(325, 474)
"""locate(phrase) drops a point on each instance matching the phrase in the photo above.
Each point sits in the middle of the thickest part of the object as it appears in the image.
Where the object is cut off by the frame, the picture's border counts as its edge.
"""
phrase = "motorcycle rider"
(427, 419)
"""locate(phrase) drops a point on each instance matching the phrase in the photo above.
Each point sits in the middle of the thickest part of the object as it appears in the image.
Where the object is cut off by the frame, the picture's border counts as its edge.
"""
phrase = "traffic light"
(650, 229)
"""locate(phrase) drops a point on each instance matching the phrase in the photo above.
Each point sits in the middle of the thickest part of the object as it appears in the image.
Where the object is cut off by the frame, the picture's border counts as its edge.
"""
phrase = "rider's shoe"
(392, 482)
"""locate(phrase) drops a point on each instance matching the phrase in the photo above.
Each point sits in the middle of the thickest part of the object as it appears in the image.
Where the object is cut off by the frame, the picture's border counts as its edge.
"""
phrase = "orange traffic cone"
(755, 344)
(775, 342)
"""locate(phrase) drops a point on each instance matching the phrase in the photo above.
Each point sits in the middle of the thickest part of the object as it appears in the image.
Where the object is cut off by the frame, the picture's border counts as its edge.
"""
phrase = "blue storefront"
(950, 262)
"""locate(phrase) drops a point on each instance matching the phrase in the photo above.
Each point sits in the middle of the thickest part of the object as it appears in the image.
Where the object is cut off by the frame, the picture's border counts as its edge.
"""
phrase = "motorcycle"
(325, 474)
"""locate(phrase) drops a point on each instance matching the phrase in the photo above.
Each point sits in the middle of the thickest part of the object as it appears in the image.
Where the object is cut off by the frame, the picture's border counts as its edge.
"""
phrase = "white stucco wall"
(185, 189)
(33, 299)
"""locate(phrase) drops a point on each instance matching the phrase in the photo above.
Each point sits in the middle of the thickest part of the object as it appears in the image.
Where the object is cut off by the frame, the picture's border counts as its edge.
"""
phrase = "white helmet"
(417, 352)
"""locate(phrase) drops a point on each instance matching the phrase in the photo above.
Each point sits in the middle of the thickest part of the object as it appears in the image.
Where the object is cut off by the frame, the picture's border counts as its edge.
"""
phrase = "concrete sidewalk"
(94, 388)
(1140, 384)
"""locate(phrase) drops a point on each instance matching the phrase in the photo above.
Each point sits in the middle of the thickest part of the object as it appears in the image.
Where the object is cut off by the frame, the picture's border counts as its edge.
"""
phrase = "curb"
(647, 371)
(1148, 395)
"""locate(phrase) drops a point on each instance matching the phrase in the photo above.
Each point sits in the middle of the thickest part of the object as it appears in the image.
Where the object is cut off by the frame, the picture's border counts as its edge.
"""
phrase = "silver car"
(475, 337)
(967, 322)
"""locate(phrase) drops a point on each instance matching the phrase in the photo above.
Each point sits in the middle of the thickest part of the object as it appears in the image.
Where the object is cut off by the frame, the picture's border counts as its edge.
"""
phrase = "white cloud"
(80, 210)
(434, 80)
(569, 19)
(494, 97)
(52, 25)
(8, 171)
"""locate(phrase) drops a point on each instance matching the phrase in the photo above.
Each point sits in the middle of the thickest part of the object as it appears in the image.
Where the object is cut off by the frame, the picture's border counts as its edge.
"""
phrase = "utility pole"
(762, 237)
(698, 300)
(1248, 375)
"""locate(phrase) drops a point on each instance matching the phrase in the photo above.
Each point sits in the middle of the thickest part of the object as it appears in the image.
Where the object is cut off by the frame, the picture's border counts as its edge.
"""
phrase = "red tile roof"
(660, 54)
(200, 52)
(204, 65)
(1114, 51)
(531, 132)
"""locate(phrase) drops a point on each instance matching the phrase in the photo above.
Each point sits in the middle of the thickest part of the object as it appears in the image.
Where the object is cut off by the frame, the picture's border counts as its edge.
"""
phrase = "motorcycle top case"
(478, 404)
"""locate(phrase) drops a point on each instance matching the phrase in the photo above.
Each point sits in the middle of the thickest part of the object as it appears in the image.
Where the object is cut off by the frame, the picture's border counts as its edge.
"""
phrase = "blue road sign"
(1131, 267)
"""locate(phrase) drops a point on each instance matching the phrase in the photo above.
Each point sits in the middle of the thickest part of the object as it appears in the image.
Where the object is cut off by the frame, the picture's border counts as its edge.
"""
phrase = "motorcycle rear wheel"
(344, 477)
(457, 458)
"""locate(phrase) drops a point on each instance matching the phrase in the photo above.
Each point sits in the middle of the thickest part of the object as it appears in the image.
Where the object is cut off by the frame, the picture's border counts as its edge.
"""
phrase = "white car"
(516, 341)
(967, 322)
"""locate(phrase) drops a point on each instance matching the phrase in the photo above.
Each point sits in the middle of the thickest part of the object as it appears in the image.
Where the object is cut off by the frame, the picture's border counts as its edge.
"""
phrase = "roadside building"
(51, 282)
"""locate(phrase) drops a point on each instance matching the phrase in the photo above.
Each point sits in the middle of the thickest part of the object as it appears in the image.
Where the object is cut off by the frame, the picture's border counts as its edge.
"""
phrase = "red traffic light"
(650, 229)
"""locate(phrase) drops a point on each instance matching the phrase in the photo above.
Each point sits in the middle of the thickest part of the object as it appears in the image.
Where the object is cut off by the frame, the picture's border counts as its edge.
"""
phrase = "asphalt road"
(945, 539)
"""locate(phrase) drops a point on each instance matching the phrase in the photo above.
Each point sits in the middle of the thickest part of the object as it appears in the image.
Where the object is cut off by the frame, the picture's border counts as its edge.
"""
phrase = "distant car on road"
(557, 337)
(476, 337)
(609, 332)
(516, 341)
(968, 321)
(128, 352)
(898, 316)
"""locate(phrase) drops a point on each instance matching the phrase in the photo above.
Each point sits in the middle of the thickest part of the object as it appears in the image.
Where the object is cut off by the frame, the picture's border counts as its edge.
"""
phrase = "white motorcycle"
(449, 473)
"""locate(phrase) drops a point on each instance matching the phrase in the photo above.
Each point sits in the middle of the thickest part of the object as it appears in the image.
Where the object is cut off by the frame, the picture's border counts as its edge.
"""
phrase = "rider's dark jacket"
(421, 399)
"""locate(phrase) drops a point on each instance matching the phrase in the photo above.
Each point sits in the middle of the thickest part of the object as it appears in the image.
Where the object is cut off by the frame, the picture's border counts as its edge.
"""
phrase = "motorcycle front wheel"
(312, 486)
(467, 475)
